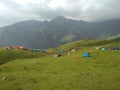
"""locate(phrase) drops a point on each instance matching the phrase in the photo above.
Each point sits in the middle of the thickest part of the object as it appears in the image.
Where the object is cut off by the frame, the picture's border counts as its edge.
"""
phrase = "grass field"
(100, 71)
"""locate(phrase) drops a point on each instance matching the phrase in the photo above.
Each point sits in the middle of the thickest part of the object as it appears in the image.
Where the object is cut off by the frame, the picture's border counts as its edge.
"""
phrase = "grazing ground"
(100, 71)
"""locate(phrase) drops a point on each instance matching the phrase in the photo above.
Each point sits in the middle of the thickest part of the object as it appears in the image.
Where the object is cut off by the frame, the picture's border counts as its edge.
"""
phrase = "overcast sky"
(12, 11)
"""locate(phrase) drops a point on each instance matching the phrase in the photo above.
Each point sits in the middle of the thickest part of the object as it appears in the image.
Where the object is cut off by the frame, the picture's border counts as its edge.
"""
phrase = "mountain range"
(60, 30)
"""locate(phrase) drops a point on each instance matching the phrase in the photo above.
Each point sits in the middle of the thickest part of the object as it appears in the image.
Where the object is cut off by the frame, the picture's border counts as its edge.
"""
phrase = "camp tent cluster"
(15, 47)
(101, 48)
(114, 48)
(60, 52)
(23, 48)
(37, 50)
(84, 54)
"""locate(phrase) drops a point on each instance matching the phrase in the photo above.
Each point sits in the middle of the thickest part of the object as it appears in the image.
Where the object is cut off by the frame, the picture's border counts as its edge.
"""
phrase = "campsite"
(59, 44)
(86, 68)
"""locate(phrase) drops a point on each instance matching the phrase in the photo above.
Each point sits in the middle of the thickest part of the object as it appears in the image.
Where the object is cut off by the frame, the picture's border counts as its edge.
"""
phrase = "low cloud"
(12, 11)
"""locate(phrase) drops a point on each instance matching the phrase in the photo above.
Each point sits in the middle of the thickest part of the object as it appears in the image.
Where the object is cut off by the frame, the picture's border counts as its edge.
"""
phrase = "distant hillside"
(38, 34)
(113, 37)
(91, 43)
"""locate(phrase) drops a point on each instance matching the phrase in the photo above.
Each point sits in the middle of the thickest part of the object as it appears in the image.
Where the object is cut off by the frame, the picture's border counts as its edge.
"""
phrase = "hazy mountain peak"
(44, 34)
(59, 18)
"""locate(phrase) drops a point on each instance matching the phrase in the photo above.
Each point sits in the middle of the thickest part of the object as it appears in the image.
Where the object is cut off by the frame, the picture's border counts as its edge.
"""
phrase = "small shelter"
(61, 51)
(57, 55)
(99, 47)
(103, 49)
(34, 50)
(86, 54)
(114, 48)
(8, 47)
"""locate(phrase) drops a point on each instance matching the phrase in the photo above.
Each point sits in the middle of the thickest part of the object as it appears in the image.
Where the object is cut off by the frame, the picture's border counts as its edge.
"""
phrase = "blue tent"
(86, 54)
(34, 50)
(103, 49)
(62, 51)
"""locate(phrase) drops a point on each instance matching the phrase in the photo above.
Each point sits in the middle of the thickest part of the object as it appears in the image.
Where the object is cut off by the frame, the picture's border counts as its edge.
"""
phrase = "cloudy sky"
(12, 11)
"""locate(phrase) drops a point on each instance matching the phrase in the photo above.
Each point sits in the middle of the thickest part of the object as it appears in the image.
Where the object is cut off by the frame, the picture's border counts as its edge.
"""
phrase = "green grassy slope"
(9, 55)
(91, 43)
(101, 71)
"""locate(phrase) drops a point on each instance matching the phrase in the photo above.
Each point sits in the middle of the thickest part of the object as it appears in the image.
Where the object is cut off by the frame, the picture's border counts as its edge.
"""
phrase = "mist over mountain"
(46, 34)
(0, 29)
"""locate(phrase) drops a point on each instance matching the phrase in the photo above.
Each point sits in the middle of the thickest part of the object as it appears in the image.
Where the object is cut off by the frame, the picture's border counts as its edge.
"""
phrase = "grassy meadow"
(24, 70)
